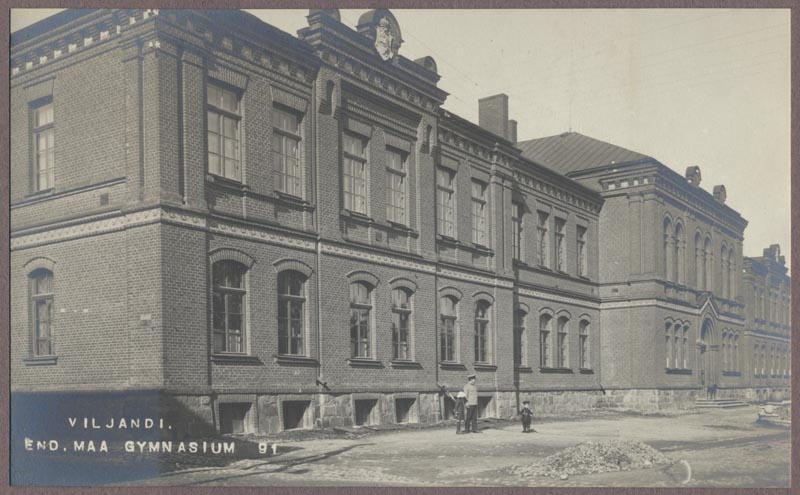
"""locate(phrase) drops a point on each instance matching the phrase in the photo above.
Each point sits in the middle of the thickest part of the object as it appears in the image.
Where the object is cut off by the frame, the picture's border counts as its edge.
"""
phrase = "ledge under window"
(450, 365)
(292, 200)
(293, 360)
(226, 182)
(523, 368)
(40, 360)
(731, 373)
(556, 370)
(678, 371)
(357, 216)
(446, 239)
(364, 363)
(405, 364)
(586, 371)
(485, 367)
(244, 359)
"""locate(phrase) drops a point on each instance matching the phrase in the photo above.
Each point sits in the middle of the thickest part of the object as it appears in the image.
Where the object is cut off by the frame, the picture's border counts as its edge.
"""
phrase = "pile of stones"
(595, 457)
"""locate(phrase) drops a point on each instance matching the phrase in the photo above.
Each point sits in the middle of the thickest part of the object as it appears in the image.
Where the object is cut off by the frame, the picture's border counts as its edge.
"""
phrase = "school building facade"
(252, 232)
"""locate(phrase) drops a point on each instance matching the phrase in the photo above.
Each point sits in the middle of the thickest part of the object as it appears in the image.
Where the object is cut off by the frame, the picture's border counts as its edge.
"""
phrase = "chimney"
(493, 114)
(512, 131)
(720, 194)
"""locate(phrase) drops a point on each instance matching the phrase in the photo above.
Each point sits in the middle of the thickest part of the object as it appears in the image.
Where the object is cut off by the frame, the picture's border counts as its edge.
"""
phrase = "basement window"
(485, 407)
(365, 411)
(294, 414)
(233, 418)
(405, 411)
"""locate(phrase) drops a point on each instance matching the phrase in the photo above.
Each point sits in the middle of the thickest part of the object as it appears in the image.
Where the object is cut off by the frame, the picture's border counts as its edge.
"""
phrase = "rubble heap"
(595, 457)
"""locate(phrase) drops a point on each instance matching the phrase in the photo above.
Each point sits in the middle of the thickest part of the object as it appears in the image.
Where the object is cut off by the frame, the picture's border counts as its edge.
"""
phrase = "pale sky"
(706, 87)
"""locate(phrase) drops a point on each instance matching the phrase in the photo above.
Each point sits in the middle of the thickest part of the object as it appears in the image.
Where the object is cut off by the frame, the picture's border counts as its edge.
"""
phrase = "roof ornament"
(380, 26)
(693, 175)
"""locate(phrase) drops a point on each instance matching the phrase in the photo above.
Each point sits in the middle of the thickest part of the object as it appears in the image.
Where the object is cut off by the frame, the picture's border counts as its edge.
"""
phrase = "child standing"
(526, 415)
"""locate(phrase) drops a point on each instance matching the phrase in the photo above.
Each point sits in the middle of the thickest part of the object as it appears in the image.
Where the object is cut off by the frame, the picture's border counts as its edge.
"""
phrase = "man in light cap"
(471, 391)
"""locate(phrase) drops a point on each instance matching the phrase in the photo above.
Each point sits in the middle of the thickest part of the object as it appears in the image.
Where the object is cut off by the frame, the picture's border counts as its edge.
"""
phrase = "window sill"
(480, 248)
(244, 359)
(446, 239)
(678, 371)
(364, 363)
(292, 200)
(586, 371)
(290, 360)
(226, 182)
(399, 227)
(405, 364)
(451, 365)
(556, 370)
(485, 367)
(41, 361)
(357, 216)
(523, 369)
(42, 192)
(731, 373)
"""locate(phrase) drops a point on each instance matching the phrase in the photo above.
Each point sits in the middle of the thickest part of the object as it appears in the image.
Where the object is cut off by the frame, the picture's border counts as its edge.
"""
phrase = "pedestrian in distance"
(526, 415)
(713, 391)
(471, 392)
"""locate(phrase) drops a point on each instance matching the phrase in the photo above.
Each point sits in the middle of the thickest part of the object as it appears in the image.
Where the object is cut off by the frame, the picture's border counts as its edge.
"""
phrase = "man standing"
(471, 391)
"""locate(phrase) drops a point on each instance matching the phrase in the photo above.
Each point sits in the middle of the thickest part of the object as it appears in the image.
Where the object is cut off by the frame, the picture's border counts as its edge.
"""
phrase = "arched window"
(685, 347)
(544, 340)
(563, 343)
(732, 274)
(520, 339)
(41, 283)
(724, 350)
(668, 343)
(677, 346)
(583, 335)
(669, 251)
(291, 313)
(763, 359)
(709, 263)
(482, 338)
(449, 316)
(680, 254)
(401, 324)
(360, 309)
(756, 357)
(699, 260)
(736, 353)
(723, 262)
(228, 282)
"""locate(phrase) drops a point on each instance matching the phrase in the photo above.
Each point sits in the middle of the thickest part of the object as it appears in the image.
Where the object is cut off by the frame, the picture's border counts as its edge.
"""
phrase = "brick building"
(252, 231)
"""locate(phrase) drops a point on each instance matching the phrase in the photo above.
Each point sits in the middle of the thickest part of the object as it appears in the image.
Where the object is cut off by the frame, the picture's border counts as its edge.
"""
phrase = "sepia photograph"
(399, 248)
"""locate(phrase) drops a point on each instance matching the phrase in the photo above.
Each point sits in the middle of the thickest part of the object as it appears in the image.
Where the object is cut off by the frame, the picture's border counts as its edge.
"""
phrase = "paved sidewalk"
(712, 442)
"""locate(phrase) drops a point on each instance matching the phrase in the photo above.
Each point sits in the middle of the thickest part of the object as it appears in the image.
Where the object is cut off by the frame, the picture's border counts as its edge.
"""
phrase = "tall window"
(355, 173)
(709, 269)
(561, 247)
(517, 210)
(228, 279)
(482, 340)
(685, 347)
(678, 347)
(543, 244)
(396, 186)
(401, 327)
(479, 213)
(44, 144)
(520, 339)
(360, 307)
(680, 254)
(668, 250)
(699, 259)
(583, 270)
(223, 132)
(583, 335)
(562, 350)
(42, 308)
(448, 344)
(291, 314)
(445, 201)
(668, 344)
(286, 150)
(544, 340)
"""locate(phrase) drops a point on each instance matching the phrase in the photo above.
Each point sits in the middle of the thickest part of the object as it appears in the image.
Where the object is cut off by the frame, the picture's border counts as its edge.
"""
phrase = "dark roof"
(47, 24)
(570, 152)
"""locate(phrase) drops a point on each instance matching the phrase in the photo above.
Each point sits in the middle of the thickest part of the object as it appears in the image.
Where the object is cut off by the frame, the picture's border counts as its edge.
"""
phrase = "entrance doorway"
(707, 355)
